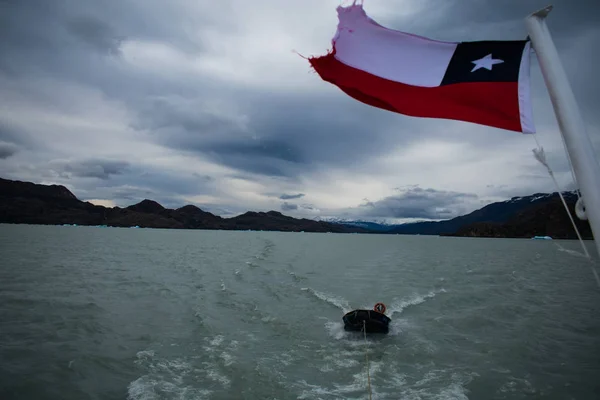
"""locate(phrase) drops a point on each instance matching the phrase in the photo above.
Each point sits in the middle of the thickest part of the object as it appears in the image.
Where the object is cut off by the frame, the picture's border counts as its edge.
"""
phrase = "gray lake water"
(92, 313)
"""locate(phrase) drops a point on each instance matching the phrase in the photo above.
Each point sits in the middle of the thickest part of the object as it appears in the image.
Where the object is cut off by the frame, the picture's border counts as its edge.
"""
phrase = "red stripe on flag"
(493, 104)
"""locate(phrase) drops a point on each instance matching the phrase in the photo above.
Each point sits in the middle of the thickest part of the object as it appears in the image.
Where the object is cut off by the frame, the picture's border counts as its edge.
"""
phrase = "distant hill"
(541, 218)
(493, 213)
(540, 214)
(30, 203)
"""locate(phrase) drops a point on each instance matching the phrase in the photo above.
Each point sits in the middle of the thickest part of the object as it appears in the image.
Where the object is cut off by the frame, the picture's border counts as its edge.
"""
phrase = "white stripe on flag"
(525, 106)
(363, 44)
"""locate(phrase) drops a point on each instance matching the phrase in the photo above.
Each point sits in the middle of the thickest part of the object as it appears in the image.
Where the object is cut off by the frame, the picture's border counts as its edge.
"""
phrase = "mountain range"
(30, 203)
(540, 214)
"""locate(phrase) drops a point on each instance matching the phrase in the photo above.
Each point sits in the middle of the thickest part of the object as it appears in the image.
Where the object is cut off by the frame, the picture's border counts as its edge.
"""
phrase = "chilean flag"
(483, 82)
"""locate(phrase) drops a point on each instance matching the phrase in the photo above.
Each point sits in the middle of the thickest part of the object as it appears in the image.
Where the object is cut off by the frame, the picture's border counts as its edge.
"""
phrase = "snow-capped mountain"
(498, 212)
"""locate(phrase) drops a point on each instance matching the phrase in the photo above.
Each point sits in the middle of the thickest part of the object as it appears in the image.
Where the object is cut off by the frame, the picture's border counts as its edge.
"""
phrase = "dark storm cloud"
(288, 206)
(9, 138)
(101, 169)
(416, 202)
(291, 196)
(144, 182)
(6, 133)
(204, 178)
(265, 156)
(270, 148)
(80, 41)
(36, 35)
(285, 135)
(164, 182)
(293, 135)
(94, 32)
(181, 124)
(7, 150)
(181, 121)
(38, 23)
(328, 129)
(470, 19)
(11, 134)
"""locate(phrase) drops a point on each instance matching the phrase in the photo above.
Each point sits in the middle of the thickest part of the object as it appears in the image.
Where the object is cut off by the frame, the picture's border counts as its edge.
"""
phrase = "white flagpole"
(570, 122)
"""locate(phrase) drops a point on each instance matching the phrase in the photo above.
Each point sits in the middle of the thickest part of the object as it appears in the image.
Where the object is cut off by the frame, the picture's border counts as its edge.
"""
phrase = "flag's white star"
(485, 62)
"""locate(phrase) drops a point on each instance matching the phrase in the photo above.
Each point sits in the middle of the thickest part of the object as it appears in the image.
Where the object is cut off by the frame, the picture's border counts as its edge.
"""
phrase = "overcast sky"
(206, 102)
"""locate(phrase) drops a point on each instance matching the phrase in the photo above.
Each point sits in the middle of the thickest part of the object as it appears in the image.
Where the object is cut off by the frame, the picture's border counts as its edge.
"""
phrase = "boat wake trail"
(400, 305)
(338, 302)
(266, 250)
(569, 251)
(196, 376)
(389, 380)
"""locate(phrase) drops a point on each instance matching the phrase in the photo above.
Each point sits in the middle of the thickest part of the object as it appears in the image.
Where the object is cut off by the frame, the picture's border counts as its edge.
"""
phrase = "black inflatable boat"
(372, 321)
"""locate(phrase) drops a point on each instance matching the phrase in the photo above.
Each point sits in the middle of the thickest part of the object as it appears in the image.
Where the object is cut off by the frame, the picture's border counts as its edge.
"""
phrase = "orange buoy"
(380, 308)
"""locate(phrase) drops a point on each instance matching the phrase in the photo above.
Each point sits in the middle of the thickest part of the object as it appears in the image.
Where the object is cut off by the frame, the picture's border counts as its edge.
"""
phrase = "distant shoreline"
(276, 231)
